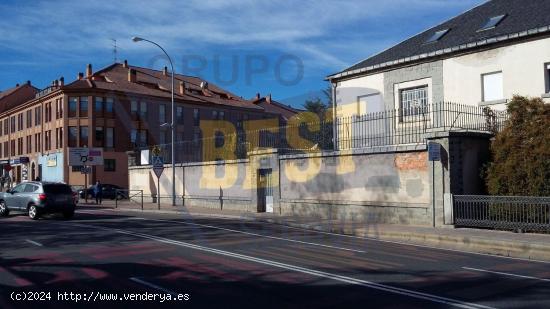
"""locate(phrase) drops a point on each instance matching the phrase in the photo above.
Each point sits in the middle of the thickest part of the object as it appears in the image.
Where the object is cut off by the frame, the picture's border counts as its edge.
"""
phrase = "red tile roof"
(272, 106)
(155, 83)
(17, 95)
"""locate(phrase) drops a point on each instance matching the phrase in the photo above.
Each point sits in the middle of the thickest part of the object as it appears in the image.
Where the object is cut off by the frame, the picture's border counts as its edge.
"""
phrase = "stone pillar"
(463, 155)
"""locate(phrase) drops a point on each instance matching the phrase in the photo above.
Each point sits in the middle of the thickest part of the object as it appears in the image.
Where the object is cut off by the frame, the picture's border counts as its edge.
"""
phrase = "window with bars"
(413, 101)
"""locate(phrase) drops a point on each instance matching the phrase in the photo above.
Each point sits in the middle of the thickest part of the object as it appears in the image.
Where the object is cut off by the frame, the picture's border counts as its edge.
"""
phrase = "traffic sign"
(434, 151)
(158, 165)
(85, 156)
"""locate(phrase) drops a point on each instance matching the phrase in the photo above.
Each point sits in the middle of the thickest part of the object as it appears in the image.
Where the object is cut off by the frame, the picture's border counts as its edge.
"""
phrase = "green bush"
(520, 162)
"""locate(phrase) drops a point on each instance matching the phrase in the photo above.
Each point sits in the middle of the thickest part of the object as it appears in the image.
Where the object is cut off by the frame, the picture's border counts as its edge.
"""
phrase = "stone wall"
(387, 185)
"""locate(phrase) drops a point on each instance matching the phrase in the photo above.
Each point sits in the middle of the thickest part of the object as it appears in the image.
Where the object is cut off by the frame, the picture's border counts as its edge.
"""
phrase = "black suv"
(108, 191)
(38, 198)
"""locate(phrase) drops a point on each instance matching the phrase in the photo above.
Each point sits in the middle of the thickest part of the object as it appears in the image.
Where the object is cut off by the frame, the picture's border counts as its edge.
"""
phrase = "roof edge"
(463, 47)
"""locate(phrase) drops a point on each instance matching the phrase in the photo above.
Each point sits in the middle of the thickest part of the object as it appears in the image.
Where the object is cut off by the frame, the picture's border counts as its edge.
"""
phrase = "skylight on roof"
(437, 36)
(492, 22)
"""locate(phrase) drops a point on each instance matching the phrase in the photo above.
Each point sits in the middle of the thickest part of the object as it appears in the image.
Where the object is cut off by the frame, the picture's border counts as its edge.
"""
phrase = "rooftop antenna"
(115, 50)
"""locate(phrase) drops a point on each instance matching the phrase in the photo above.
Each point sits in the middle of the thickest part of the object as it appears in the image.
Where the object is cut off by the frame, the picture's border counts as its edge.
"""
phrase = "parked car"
(38, 198)
(108, 192)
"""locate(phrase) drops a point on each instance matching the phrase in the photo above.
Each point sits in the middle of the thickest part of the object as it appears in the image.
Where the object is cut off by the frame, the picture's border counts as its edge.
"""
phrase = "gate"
(265, 190)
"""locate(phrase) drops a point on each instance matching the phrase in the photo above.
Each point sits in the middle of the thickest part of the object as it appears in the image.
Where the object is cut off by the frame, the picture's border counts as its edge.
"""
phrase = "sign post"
(85, 170)
(158, 168)
(86, 158)
(434, 154)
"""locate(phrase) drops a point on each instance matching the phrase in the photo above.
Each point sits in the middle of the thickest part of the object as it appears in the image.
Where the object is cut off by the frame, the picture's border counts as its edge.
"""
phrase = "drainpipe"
(334, 131)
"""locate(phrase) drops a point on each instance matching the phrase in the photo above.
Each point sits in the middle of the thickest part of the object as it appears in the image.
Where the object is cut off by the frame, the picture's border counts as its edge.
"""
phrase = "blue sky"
(286, 48)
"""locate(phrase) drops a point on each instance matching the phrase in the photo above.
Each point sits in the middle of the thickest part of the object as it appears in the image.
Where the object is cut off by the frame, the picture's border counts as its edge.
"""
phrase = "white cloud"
(312, 29)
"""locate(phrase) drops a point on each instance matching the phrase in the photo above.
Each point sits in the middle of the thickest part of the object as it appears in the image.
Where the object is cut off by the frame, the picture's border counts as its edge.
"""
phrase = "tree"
(328, 94)
(521, 151)
(322, 137)
(316, 106)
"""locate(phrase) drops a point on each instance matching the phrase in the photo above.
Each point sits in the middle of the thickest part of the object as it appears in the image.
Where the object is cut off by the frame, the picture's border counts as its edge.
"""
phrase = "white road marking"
(505, 274)
(380, 240)
(34, 242)
(410, 244)
(322, 274)
(254, 234)
(154, 286)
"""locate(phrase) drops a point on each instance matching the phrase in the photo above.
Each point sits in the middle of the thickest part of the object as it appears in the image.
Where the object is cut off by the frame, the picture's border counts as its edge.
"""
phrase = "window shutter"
(492, 87)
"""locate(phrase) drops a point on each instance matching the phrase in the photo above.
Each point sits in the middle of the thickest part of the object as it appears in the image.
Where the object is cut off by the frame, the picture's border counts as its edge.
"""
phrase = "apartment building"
(119, 108)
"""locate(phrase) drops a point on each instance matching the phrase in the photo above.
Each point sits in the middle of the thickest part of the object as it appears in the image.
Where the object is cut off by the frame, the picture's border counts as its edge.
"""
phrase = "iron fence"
(129, 198)
(517, 213)
(389, 127)
(410, 125)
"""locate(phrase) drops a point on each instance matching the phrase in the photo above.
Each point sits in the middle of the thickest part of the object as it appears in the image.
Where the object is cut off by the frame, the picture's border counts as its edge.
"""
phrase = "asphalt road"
(230, 263)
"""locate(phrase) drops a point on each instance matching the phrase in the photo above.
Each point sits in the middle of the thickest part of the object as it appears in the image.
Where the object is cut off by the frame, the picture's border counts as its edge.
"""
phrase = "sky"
(284, 48)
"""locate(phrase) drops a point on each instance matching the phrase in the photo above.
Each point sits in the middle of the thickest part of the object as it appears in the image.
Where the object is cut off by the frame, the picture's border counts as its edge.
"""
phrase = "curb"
(463, 243)
(470, 244)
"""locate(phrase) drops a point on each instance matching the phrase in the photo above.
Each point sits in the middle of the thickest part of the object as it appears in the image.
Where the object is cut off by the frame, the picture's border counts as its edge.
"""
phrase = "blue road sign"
(434, 151)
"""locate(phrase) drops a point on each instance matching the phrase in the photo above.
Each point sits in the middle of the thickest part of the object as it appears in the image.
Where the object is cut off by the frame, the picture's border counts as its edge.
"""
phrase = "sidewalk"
(504, 243)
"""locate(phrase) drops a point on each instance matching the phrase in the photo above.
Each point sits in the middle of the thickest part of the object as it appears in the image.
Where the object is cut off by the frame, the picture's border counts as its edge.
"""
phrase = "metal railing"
(129, 198)
(410, 125)
(516, 213)
(386, 128)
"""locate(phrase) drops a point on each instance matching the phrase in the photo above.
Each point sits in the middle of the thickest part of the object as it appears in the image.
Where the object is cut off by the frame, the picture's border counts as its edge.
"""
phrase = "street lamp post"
(172, 127)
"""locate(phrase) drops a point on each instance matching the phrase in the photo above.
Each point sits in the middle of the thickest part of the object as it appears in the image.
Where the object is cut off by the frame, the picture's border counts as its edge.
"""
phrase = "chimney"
(61, 81)
(257, 96)
(182, 87)
(125, 64)
(165, 71)
(80, 75)
(89, 70)
(17, 85)
(56, 83)
(268, 98)
(29, 82)
(204, 85)
(132, 75)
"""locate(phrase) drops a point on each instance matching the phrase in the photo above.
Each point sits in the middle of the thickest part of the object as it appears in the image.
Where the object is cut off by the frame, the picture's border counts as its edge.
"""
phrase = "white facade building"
(482, 57)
